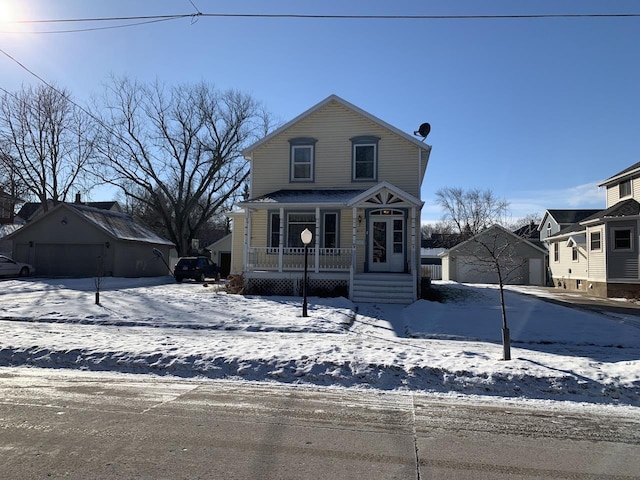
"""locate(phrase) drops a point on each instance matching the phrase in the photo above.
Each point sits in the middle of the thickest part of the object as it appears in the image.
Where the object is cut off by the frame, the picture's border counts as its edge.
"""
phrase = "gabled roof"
(626, 208)
(117, 225)
(496, 227)
(247, 153)
(627, 172)
(29, 209)
(384, 193)
(567, 217)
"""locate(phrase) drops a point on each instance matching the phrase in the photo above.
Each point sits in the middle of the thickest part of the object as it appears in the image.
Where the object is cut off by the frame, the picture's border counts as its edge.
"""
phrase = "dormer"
(623, 185)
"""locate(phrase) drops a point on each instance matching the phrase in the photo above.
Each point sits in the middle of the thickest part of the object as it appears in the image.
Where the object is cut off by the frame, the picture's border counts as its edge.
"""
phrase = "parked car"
(197, 268)
(11, 268)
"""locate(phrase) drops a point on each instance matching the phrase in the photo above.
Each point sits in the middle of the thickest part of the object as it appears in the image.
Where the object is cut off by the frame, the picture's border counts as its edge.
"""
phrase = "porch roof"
(304, 197)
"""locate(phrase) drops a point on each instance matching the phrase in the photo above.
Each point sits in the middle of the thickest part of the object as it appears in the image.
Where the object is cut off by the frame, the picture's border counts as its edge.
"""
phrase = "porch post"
(354, 226)
(280, 239)
(414, 268)
(245, 246)
(317, 243)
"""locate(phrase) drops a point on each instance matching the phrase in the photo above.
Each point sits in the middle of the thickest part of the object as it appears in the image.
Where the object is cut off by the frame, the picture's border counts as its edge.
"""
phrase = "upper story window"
(625, 188)
(365, 158)
(574, 253)
(548, 229)
(302, 163)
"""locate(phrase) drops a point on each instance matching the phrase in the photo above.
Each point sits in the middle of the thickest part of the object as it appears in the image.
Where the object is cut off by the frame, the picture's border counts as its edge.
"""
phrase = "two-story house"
(600, 253)
(354, 182)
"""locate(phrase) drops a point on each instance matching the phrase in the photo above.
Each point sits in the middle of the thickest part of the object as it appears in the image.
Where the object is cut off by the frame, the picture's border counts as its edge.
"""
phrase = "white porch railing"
(267, 258)
(432, 271)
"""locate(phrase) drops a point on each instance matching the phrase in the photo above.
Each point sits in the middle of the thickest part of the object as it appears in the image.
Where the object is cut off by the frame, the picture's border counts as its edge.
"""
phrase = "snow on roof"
(8, 228)
(119, 225)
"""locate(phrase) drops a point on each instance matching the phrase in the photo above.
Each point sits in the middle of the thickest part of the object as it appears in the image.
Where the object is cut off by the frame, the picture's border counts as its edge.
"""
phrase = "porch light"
(306, 236)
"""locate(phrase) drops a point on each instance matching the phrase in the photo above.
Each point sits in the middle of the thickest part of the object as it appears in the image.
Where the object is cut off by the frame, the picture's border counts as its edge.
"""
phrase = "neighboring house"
(7, 208)
(31, 210)
(468, 262)
(73, 240)
(354, 181)
(220, 252)
(555, 220)
(600, 253)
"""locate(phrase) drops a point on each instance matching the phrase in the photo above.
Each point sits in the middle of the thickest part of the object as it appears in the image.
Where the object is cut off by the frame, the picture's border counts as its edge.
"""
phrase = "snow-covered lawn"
(158, 326)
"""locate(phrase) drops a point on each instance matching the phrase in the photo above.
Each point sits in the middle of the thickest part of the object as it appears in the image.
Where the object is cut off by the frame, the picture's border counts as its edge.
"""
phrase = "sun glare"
(8, 11)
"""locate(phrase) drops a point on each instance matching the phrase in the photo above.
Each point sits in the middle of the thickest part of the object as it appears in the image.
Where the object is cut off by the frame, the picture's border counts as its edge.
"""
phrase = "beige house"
(600, 253)
(74, 240)
(475, 260)
(220, 252)
(351, 179)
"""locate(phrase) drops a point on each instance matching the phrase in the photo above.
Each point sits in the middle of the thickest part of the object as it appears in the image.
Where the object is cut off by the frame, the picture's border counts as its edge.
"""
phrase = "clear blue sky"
(537, 110)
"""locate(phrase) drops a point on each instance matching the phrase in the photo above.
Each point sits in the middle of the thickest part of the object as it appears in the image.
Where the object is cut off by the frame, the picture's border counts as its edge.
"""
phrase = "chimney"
(78, 201)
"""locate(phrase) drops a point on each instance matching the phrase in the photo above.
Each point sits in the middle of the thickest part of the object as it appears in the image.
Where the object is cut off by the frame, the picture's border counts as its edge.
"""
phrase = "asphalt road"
(74, 425)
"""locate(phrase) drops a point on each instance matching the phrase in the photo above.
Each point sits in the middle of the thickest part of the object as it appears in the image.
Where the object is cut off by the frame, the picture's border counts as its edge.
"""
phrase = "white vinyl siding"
(613, 192)
(596, 258)
(333, 126)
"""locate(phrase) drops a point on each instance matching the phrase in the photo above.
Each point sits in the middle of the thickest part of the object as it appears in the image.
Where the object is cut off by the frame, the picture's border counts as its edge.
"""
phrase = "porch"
(291, 259)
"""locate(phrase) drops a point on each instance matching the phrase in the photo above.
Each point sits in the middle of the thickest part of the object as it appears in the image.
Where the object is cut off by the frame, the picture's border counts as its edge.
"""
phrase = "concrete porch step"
(383, 288)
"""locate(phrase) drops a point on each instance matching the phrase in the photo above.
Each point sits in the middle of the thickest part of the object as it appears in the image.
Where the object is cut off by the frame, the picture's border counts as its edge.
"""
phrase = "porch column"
(354, 230)
(414, 268)
(317, 242)
(280, 239)
(245, 246)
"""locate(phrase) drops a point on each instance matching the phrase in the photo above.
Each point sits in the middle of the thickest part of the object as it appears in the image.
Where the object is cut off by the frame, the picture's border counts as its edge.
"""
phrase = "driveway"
(617, 307)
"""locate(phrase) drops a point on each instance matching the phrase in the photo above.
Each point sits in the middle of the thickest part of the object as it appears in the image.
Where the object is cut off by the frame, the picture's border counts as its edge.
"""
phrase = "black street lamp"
(306, 237)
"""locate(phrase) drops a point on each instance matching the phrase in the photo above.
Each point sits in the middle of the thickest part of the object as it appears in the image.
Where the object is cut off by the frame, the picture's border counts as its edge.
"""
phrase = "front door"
(386, 242)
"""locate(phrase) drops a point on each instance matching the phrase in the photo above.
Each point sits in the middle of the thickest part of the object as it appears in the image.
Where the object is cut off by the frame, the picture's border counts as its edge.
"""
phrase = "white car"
(11, 268)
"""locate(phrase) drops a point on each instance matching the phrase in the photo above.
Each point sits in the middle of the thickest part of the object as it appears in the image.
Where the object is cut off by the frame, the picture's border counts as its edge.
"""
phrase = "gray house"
(73, 240)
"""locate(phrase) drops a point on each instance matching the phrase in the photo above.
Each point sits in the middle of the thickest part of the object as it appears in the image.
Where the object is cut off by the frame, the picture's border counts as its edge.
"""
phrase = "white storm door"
(386, 244)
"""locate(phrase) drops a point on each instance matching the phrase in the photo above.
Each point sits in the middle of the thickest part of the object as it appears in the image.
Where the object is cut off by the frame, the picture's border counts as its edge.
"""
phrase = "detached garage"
(74, 240)
(474, 261)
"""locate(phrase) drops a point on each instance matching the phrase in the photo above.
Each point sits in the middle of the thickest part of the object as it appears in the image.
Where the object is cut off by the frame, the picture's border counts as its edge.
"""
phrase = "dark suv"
(197, 268)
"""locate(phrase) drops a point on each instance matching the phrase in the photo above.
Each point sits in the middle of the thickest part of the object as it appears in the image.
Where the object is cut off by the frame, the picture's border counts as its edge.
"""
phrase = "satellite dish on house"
(423, 130)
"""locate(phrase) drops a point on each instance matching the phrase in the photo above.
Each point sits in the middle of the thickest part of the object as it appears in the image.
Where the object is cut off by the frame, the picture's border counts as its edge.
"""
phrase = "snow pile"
(158, 326)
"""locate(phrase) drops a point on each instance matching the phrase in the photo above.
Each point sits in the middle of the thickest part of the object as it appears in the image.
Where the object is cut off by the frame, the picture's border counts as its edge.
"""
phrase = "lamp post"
(306, 237)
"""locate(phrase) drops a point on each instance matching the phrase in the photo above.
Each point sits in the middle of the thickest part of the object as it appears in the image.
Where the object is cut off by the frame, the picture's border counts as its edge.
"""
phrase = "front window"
(302, 159)
(625, 188)
(622, 239)
(574, 254)
(595, 241)
(556, 252)
(330, 230)
(296, 223)
(274, 230)
(365, 158)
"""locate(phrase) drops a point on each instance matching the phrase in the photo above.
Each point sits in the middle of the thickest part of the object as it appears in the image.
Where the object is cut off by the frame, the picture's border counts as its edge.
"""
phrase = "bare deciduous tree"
(176, 151)
(496, 251)
(45, 142)
(471, 211)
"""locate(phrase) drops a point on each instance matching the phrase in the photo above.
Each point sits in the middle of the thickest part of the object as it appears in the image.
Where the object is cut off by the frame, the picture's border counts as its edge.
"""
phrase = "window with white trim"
(274, 230)
(365, 158)
(622, 239)
(574, 253)
(302, 159)
(556, 251)
(595, 241)
(624, 188)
